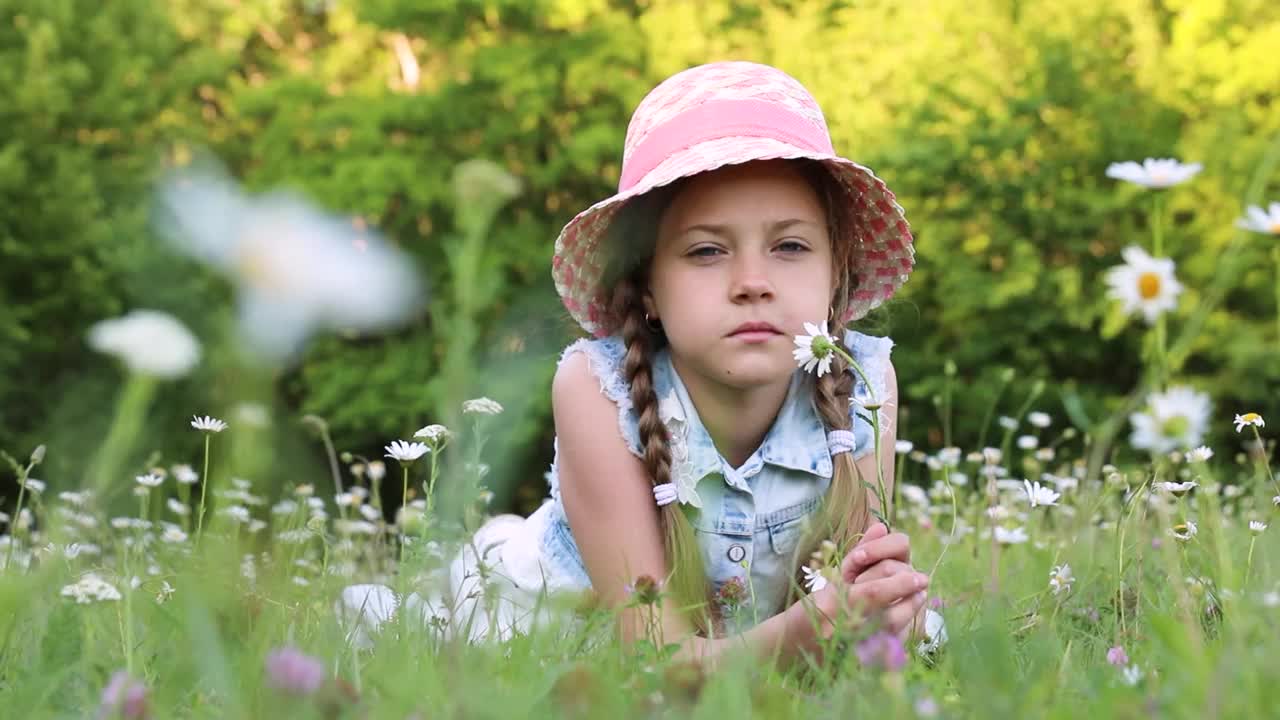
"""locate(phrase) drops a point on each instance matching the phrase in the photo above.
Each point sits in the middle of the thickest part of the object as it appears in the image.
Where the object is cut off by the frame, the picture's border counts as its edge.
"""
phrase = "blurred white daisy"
(75, 498)
(239, 513)
(1176, 488)
(1040, 495)
(1184, 531)
(207, 424)
(1252, 418)
(297, 270)
(1010, 536)
(1257, 527)
(149, 480)
(1154, 172)
(1176, 418)
(814, 580)
(177, 507)
(1132, 675)
(35, 486)
(1199, 455)
(185, 475)
(1039, 419)
(903, 447)
(1028, 442)
(1045, 454)
(377, 470)
(815, 350)
(1260, 221)
(1060, 579)
(406, 452)
(1007, 422)
(173, 534)
(482, 406)
(148, 342)
(1144, 284)
(91, 588)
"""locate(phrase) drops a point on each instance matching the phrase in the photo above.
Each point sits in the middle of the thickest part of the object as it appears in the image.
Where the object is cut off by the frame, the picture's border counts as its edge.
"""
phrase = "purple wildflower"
(293, 671)
(1117, 656)
(124, 697)
(883, 649)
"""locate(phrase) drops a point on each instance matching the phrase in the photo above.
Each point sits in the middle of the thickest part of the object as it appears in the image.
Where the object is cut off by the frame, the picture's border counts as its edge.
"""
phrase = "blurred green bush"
(993, 122)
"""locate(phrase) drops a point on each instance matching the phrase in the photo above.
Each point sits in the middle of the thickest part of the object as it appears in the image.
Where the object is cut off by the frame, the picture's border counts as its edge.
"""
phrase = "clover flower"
(293, 671)
(883, 650)
(123, 697)
(815, 350)
(1144, 284)
(1154, 173)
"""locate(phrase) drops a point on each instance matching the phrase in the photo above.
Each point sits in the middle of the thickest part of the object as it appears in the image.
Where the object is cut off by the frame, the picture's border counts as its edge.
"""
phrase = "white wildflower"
(1131, 674)
(173, 534)
(297, 270)
(165, 592)
(1040, 495)
(1199, 455)
(992, 456)
(35, 486)
(1260, 221)
(903, 447)
(1045, 454)
(177, 507)
(1013, 536)
(377, 470)
(815, 350)
(1154, 172)
(1039, 419)
(1176, 488)
(1252, 418)
(406, 452)
(91, 588)
(1144, 284)
(370, 513)
(1028, 442)
(914, 494)
(814, 580)
(1060, 579)
(482, 406)
(74, 498)
(284, 507)
(1176, 418)
(1257, 527)
(75, 549)
(148, 342)
(185, 475)
(1007, 422)
(239, 513)
(207, 424)
(434, 433)
(149, 480)
(949, 456)
(1184, 531)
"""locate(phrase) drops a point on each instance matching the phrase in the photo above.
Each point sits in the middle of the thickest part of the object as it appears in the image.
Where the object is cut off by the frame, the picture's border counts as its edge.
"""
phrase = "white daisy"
(482, 406)
(1257, 527)
(814, 580)
(1039, 419)
(149, 480)
(207, 424)
(1252, 418)
(1011, 536)
(377, 470)
(91, 588)
(1184, 531)
(1174, 419)
(1060, 579)
(1007, 422)
(1176, 488)
(1276, 501)
(406, 452)
(903, 447)
(1040, 495)
(297, 270)
(148, 342)
(239, 513)
(173, 534)
(1132, 675)
(1199, 455)
(1154, 172)
(1260, 221)
(75, 498)
(177, 507)
(1144, 284)
(1045, 454)
(1028, 442)
(814, 350)
(35, 486)
(185, 475)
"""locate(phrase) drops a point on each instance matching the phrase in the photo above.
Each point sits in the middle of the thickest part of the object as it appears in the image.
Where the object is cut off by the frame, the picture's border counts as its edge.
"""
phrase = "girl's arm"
(608, 499)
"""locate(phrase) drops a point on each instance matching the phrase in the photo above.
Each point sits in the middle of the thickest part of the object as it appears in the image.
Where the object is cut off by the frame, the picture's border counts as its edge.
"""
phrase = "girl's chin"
(755, 371)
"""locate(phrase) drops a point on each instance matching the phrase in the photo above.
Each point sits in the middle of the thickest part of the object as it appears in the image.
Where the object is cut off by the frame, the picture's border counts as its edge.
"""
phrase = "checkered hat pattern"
(728, 113)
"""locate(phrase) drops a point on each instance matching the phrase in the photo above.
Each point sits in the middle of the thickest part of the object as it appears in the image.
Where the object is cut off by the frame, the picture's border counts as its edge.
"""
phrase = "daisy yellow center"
(1250, 417)
(1175, 426)
(1275, 228)
(1148, 285)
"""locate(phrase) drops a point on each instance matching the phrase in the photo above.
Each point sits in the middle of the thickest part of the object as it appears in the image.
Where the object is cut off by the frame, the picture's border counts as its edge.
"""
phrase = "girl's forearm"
(781, 638)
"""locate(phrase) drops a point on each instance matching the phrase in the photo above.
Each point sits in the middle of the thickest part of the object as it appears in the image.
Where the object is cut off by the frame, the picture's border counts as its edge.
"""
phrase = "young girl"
(689, 446)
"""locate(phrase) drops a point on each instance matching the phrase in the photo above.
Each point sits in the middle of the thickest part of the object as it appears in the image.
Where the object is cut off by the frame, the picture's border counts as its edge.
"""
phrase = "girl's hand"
(880, 554)
(893, 600)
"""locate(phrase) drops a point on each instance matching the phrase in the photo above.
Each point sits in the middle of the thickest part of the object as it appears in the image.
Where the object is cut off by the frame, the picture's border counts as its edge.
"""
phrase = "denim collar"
(797, 440)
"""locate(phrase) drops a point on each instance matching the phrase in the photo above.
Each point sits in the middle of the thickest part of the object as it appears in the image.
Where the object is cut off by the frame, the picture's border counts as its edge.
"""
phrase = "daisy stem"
(17, 519)
(431, 481)
(404, 488)
(1264, 464)
(1157, 250)
(1248, 563)
(1133, 503)
(204, 484)
(874, 407)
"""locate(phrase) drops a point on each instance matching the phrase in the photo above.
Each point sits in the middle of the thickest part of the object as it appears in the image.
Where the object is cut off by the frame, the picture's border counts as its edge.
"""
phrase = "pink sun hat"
(720, 114)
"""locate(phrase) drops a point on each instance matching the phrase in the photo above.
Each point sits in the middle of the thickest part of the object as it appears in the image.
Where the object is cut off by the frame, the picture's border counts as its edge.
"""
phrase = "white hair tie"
(664, 494)
(841, 441)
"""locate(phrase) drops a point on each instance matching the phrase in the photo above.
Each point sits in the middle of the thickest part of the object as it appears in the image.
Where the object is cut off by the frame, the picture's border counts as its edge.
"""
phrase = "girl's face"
(743, 259)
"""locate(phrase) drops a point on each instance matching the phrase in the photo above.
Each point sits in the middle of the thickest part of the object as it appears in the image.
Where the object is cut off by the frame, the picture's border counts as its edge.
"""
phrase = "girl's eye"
(792, 246)
(704, 251)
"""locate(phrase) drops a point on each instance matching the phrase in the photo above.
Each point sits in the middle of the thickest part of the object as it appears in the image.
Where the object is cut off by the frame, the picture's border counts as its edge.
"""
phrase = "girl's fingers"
(898, 617)
(895, 546)
(882, 593)
(883, 569)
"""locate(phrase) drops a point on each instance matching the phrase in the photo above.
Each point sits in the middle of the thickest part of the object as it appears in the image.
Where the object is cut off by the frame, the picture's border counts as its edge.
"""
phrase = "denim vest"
(748, 519)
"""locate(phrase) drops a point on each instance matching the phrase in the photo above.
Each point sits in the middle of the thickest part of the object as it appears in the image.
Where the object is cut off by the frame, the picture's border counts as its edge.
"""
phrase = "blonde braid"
(687, 581)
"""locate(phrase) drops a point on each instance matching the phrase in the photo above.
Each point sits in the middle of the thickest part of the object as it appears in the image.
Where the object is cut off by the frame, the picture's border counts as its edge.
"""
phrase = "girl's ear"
(650, 307)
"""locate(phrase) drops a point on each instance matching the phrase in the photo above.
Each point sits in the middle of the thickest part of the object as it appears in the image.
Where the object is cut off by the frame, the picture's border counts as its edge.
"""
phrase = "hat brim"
(884, 253)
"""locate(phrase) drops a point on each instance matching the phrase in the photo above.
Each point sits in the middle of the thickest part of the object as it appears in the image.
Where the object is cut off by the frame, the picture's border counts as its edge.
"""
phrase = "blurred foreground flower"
(1174, 419)
(1199, 455)
(1060, 579)
(1184, 531)
(1039, 495)
(91, 588)
(1144, 284)
(1253, 419)
(1154, 172)
(883, 650)
(294, 672)
(1260, 221)
(123, 697)
(148, 342)
(482, 406)
(297, 270)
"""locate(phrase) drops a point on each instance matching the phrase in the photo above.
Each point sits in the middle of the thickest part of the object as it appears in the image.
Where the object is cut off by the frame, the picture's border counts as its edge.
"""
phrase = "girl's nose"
(750, 280)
